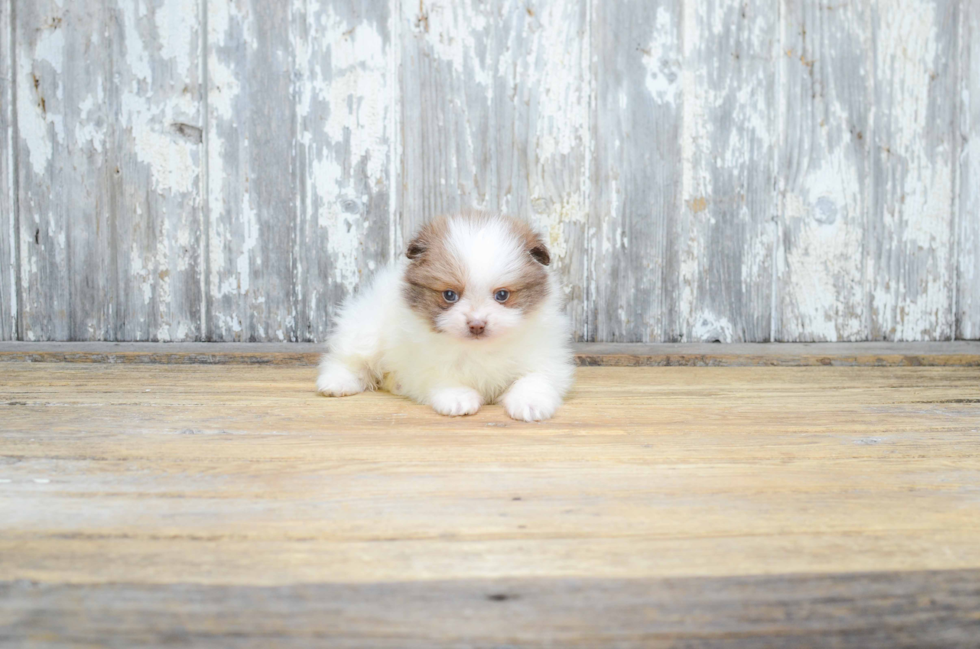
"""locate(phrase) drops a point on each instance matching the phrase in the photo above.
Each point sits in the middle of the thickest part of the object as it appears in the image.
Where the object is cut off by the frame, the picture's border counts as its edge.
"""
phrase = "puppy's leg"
(455, 401)
(338, 379)
(532, 397)
(354, 349)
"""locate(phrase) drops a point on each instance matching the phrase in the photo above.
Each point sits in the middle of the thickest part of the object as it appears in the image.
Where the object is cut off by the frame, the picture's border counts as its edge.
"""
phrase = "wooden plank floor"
(228, 505)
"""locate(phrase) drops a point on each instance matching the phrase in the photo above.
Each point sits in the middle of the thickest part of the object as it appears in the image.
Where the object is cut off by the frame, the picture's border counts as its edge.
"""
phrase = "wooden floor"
(228, 505)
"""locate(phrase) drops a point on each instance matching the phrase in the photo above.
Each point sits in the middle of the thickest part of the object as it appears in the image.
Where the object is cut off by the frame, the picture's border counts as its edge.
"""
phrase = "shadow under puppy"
(471, 315)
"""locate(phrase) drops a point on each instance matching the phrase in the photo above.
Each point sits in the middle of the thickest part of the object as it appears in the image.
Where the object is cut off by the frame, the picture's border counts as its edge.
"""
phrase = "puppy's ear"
(416, 248)
(420, 244)
(427, 237)
(540, 254)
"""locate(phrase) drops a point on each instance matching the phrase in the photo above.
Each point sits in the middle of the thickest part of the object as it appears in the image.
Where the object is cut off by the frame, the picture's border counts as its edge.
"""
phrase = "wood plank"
(153, 228)
(725, 233)
(938, 354)
(541, 132)
(344, 92)
(661, 506)
(446, 88)
(825, 184)
(860, 611)
(62, 76)
(637, 171)
(968, 234)
(911, 263)
(193, 474)
(8, 220)
(251, 135)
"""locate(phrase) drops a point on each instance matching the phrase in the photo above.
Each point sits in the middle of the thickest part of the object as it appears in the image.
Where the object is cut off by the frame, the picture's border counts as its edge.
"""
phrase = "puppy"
(470, 315)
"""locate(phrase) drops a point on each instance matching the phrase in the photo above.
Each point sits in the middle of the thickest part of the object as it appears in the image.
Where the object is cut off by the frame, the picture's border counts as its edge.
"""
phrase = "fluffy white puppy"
(471, 315)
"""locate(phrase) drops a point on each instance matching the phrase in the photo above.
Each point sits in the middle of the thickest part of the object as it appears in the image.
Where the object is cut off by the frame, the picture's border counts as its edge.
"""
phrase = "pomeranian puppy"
(470, 315)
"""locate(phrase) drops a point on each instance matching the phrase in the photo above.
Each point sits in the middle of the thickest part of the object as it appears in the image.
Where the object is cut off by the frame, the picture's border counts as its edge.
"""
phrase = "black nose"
(476, 328)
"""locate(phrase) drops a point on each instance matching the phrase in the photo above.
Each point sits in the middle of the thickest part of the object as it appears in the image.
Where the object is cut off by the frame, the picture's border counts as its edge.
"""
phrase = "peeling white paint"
(35, 112)
(151, 121)
(224, 86)
(176, 27)
(918, 180)
(661, 59)
(450, 28)
(832, 281)
(251, 238)
(353, 91)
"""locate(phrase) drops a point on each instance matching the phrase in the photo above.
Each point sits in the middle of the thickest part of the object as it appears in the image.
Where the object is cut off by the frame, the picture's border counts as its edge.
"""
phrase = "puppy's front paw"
(337, 381)
(455, 402)
(531, 399)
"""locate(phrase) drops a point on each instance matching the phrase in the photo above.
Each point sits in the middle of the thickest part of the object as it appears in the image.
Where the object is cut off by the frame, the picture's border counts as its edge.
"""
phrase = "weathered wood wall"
(734, 170)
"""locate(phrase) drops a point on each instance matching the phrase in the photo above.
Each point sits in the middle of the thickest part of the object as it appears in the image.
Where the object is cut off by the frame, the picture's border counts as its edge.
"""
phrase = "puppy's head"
(476, 276)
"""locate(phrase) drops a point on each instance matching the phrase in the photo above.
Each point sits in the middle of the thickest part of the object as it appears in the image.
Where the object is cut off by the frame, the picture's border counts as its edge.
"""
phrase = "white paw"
(531, 399)
(455, 402)
(337, 381)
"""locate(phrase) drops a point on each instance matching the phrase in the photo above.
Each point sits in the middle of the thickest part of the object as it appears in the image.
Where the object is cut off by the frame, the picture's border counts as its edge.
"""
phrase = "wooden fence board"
(8, 238)
(968, 139)
(231, 170)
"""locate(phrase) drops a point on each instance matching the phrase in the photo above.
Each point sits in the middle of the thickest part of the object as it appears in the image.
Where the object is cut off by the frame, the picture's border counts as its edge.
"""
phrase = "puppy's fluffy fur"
(470, 315)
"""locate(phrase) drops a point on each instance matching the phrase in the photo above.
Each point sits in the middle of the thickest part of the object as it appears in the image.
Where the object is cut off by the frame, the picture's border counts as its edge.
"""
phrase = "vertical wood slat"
(637, 171)
(155, 157)
(298, 162)
(910, 229)
(252, 197)
(61, 155)
(343, 92)
(968, 133)
(724, 238)
(826, 137)
(8, 262)
(541, 114)
(684, 172)
(446, 89)
(108, 155)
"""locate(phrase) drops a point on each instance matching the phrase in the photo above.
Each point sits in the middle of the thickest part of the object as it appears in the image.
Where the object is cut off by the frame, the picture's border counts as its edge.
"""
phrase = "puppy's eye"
(450, 296)
(501, 295)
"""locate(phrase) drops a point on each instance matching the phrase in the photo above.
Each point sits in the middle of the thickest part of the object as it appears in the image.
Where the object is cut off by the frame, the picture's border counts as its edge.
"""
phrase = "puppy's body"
(433, 327)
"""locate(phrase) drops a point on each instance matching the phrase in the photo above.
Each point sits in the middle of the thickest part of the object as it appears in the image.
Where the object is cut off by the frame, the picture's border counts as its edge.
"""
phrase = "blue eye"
(450, 296)
(501, 295)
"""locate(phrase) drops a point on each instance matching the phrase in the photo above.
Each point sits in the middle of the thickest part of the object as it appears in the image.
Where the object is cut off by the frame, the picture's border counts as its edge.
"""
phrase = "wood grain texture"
(934, 354)
(911, 264)
(968, 216)
(446, 90)
(541, 132)
(251, 171)
(858, 611)
(740, 501)
(637, 170)
(826, 64)
(154, 124)
(8, 227)
(725, 234)
(61, 79)
(110, 130)
(343, 89)
(731, 171)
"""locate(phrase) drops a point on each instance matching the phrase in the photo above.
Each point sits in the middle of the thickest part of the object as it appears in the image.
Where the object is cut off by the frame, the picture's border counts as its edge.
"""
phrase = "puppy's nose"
(477, 327)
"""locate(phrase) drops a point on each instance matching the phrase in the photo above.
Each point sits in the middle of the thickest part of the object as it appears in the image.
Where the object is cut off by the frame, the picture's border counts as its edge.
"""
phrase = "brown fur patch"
(433, 269)
(532, 287)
